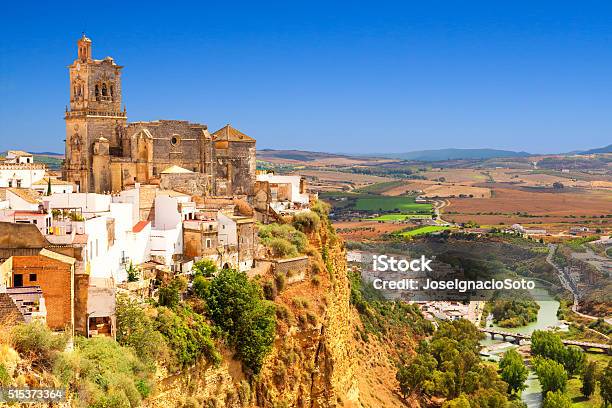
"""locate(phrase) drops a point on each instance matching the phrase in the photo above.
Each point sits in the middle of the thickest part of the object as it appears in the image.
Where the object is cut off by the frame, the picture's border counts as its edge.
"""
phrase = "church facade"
(105, 153)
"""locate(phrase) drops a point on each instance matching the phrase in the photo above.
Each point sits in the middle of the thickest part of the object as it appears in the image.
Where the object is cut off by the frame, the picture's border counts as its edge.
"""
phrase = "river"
(547, 317)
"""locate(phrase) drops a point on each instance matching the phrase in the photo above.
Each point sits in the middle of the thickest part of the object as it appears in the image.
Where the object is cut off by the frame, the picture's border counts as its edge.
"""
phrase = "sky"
(351, 77)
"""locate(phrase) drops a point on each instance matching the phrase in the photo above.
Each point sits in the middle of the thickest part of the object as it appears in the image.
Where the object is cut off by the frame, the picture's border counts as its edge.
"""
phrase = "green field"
(400, 217)
(380, 187)
(423, 230)
(382, 203)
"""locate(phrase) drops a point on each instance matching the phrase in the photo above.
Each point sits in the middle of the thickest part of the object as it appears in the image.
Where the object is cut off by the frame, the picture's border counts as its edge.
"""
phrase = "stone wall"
(187, 183)
(294, 268)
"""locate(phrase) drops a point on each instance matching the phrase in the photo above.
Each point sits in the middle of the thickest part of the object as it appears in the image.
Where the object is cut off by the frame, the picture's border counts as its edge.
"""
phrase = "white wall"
(167, 215)
(165, 243)
(227, 233)
(91, 204)
(18, 203)
(14, 173)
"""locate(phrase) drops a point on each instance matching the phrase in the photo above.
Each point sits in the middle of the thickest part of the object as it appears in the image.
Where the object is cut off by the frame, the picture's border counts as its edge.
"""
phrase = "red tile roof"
(139, 226)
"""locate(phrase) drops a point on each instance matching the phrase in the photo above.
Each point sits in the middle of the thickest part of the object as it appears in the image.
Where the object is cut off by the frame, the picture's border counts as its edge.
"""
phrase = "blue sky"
(326, 76)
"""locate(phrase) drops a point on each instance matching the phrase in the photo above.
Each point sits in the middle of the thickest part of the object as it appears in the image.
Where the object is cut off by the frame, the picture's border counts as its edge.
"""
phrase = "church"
(105, 153)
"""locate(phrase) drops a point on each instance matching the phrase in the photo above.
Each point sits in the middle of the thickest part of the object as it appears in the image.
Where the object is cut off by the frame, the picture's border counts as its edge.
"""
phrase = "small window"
(10, 183)
(154, 171)
(33, 277)
(208, 243)
(174, 140)
(18, 280)
(18, 183)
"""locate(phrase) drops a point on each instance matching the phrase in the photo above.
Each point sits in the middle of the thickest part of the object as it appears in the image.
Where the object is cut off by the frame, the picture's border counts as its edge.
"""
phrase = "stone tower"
(95, 123)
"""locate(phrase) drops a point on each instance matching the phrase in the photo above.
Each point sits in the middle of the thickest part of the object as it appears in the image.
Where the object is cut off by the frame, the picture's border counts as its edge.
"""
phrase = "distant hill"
(51, 159)
(606, 149)
(453, 154)
(298, 155)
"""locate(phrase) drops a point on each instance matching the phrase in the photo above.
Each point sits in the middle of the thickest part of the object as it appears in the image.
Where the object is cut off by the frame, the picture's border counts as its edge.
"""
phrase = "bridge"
(517, 337)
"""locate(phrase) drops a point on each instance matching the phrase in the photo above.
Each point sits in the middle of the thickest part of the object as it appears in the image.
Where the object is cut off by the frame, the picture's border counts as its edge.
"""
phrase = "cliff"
(318, 360)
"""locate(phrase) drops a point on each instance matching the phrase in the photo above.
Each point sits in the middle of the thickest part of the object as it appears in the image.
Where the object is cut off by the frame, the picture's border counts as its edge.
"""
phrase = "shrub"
(284, 240)
(37, 342)
(188, 336)
(236, 305)
(279, 279)
(201, 286)
(269, 290)
(170, 294)
(281, 247)
(204, 267)
(103, 373)
(135, 329)
(5, 378)
(306, 221)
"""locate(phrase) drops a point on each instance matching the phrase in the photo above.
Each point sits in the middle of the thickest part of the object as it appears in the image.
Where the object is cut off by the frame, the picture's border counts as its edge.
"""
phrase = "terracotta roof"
(231, 134)
(176, 170)
(54, 181)
(139, 226)
(26, 194)
(18, 153)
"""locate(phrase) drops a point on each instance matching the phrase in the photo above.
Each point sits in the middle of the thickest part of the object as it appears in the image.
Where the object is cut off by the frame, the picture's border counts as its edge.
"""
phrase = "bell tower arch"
(95, 112)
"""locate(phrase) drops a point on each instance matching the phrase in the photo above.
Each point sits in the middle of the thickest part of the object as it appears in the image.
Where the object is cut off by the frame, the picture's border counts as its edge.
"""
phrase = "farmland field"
(400, 217)
(383, 203)
(423, 230)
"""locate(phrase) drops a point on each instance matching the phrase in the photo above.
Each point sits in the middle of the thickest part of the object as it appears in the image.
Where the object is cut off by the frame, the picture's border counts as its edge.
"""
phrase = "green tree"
(556, 400)
(548, 345)
(204, 267)
(513, 371)
(589, 379)
(412, 376)
(237, 307)
(605, 385)
(135, 329)
(573, 359)
(552, 375)
(201, 286)
(459, 402)
(188, 335)
(132, 273)
(170, 294)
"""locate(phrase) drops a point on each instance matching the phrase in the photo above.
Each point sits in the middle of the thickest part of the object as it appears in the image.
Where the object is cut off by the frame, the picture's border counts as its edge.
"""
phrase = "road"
(437, 206)
(569, 284)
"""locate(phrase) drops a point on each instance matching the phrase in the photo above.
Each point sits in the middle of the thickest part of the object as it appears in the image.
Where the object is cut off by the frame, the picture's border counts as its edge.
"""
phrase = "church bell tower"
(95, 122)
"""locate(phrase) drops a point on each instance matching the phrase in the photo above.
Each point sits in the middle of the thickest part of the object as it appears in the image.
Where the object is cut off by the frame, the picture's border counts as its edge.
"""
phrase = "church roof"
(231, 134)
(176, 170)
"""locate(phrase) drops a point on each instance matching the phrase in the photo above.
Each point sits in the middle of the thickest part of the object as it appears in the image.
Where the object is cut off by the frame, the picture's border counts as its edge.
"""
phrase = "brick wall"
(55, 278)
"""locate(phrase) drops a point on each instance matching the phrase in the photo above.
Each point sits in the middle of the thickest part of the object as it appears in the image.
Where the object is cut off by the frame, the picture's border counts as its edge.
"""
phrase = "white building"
(286, 188)
(19, 170)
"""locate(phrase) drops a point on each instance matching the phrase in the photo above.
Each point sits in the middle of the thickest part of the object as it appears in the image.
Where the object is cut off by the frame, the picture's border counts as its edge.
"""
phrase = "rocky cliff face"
(313, 361)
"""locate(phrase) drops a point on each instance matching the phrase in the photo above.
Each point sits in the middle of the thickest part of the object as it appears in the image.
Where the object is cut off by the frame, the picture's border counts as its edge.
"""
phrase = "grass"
(380, 187)
(382, 203)
(399, 217)
(578, 400)
(423, 230)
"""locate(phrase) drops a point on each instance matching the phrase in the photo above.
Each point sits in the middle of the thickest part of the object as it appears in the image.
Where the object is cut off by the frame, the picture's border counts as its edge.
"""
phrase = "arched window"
(97, 91)
(112, 90)
(104, 89)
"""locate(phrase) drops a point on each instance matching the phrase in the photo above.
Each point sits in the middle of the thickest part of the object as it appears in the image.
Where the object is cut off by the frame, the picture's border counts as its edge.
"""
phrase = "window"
(18, 280)
(33, 277)
(104, 92)
(174, 140)
(208, 242)
(154, 171)
(10, 183)
(18, 183)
